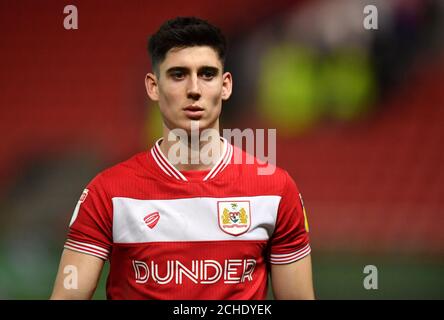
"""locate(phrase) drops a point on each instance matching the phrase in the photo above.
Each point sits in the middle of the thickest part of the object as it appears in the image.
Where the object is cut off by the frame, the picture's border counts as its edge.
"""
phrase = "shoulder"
(264, 174)
(122, 172)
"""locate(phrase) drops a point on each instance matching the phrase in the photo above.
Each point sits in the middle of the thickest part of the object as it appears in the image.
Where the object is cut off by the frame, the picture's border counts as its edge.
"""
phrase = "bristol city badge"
(234, 216)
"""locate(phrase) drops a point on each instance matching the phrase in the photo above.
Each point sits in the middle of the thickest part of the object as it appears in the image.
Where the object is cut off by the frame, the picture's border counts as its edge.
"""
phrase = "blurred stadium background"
(359, 116)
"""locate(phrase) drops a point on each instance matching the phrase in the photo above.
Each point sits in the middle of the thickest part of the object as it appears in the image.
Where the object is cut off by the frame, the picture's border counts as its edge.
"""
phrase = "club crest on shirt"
(234, 216)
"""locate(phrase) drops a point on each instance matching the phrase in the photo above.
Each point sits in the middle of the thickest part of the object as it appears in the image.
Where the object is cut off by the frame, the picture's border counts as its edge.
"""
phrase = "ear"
(227, 85)
(151, 86)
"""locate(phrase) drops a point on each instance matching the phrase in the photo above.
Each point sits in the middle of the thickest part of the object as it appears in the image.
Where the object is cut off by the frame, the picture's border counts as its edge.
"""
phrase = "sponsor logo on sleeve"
(305, 214)
(77, 208)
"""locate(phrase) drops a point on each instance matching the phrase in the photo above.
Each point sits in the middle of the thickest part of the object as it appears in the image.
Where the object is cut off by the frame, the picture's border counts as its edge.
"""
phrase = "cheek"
(216, 101)
(214, 92)
(170, 95)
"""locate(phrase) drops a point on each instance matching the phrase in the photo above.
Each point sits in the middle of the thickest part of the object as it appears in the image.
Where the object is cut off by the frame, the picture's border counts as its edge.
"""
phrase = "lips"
(193, 112)
(193, 108)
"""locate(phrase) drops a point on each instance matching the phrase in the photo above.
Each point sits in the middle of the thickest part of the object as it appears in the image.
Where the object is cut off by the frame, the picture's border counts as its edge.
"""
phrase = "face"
(190, 85)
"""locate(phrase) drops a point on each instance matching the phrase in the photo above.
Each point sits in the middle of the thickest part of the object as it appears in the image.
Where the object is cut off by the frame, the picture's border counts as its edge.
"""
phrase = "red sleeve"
(90, 230)
(290, 241)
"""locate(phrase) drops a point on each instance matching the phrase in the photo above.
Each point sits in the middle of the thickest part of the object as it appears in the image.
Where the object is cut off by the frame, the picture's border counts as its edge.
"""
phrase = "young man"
(193, 229)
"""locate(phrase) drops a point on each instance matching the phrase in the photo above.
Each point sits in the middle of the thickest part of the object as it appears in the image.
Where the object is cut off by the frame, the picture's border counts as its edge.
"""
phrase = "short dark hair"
(184, 32)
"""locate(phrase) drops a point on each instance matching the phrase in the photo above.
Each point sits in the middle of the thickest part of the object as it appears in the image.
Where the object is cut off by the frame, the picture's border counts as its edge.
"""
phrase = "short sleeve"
(290, 239)
(90, 229)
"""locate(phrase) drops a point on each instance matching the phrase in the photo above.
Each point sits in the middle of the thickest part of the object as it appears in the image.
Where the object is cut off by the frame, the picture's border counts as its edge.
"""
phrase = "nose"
(193, 90)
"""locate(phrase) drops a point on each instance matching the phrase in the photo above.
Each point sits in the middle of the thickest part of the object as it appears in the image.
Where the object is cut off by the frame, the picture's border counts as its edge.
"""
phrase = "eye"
(208, 74)
(177, 75)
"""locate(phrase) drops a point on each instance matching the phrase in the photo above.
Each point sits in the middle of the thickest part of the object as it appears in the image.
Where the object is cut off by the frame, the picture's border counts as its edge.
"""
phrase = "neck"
(193, 152)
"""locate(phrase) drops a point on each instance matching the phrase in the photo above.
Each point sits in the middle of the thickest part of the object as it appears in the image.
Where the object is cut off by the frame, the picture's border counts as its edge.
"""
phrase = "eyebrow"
(171, 70)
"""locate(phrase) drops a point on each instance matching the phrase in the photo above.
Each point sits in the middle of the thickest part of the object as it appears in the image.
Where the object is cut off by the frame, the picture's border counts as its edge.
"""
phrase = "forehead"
(191, 57)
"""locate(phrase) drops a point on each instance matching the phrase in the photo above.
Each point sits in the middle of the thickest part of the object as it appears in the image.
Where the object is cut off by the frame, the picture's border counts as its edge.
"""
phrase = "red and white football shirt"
(189, 235)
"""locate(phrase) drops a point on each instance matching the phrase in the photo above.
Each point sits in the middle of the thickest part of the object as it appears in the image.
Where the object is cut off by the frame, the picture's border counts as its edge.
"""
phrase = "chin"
(203, 124)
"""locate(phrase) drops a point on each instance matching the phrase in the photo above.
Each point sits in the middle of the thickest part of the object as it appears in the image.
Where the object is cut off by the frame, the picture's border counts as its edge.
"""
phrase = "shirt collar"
(166, 166)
